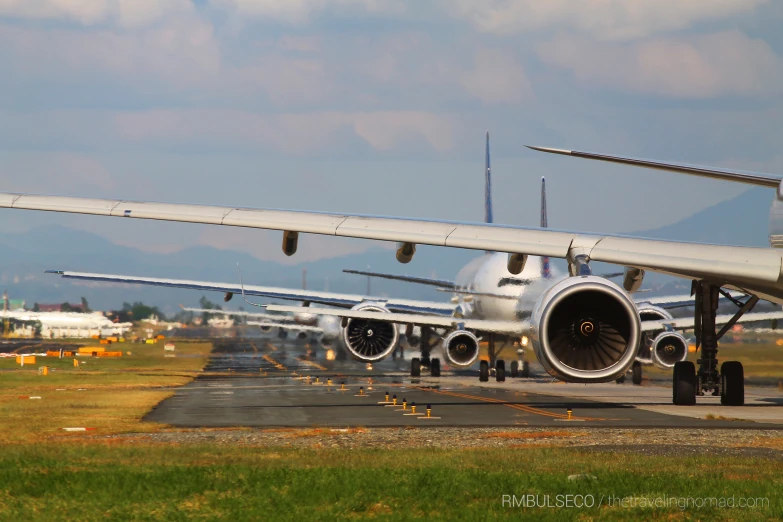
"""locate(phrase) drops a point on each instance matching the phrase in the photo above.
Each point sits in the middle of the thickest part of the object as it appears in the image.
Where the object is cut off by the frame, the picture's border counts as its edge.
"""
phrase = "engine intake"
(669, 348)
(461, 348)
(585, 329)
(370, 340)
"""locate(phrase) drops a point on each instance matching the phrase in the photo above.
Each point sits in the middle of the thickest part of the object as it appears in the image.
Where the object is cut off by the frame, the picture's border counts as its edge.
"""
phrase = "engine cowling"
(265, 327)
(585, 329)
(669, 348)
(461, 348)
(301, 335)
(370, 340)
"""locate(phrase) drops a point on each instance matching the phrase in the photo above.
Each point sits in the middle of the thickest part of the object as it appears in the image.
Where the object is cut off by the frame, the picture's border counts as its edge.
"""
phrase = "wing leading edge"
(746, 268)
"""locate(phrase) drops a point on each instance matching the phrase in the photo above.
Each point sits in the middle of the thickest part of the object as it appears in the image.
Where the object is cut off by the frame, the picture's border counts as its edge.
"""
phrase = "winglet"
(242, 286)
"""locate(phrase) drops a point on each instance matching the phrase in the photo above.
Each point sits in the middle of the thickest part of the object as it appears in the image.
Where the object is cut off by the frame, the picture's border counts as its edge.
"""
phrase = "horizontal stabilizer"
(752, 178)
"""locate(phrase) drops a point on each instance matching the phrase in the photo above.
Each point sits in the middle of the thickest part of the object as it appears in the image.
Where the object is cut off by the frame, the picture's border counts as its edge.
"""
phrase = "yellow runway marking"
(276, 364)
(313, 364)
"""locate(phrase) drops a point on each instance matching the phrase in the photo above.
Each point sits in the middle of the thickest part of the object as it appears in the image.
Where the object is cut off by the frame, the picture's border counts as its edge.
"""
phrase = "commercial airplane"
(483, 289)
(69, 324)
(583, 328)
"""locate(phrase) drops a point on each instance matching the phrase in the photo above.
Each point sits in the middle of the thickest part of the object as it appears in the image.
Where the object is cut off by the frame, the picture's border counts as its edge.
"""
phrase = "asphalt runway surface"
(271, 383)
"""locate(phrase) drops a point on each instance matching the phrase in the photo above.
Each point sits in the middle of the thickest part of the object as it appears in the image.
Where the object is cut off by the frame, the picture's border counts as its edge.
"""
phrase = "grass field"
(167, 482)
(110, 394)
(48, 474)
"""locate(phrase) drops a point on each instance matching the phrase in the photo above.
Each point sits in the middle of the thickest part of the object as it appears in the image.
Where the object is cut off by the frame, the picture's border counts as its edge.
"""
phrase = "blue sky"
(380, 107)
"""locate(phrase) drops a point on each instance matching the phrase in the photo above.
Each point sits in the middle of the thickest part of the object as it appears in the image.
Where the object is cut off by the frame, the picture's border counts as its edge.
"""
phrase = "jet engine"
(301, 335)
(669, 348)
(461, 348)
(265, 327)
(585, 329)
(370, 340)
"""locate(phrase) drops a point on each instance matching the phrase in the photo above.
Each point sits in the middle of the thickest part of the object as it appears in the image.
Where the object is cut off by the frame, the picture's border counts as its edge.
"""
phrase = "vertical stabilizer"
(546, 273)
(487, 187)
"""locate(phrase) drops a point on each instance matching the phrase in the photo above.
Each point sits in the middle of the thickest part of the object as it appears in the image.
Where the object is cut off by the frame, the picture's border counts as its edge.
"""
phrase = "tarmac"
(271, 383)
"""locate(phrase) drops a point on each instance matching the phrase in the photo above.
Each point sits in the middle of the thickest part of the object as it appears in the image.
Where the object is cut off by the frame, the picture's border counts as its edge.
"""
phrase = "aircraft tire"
(484, 371)
(415, 367)
(684, 384)
(732, 377)
(435, 367)
(500, 370)
(636, 373)
(514, 369)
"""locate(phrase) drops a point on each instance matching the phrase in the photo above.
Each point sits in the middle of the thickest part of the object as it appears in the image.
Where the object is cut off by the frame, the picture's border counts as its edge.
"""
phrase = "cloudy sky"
(380, 106)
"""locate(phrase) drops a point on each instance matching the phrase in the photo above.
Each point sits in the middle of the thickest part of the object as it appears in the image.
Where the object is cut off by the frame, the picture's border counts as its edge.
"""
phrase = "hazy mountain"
(23, 258)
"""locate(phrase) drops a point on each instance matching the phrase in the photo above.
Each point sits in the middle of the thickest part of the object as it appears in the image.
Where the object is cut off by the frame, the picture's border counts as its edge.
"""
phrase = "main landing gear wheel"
(636, 373)
(500, 370)
(435, 368)
(732, 384)
(620, 379)
(415, 367)
(684, 385)
(525, 369)
(483, 371)
(514, 369)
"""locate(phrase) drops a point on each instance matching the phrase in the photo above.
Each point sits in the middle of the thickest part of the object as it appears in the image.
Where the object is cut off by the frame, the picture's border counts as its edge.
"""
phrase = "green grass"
(169, 482)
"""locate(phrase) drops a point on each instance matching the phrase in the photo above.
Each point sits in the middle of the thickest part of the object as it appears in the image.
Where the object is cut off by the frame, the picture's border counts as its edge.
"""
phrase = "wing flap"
(690, 259)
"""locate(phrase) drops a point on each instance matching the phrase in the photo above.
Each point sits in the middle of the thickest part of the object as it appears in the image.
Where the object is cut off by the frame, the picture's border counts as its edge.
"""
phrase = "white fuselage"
(489, 274)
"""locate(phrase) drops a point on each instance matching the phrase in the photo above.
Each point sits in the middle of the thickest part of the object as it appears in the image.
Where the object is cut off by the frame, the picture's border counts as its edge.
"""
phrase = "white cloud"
(600, 19)
(496, 78)
(302, 11)
(289, 133)
(126, 13)
(702, 66)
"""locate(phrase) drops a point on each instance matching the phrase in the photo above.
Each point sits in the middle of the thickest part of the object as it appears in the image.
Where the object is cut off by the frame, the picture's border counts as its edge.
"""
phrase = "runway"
(266, 383)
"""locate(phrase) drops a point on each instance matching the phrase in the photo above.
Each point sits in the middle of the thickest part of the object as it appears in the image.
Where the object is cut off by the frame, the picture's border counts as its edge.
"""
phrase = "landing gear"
(636, 373)
(500, 370)
(525, 370)
(484, 371)
(415, 367)
(620, 379)
(514, 369)
(729, 383)
(435, 367)
(732, 384)
(684, 386)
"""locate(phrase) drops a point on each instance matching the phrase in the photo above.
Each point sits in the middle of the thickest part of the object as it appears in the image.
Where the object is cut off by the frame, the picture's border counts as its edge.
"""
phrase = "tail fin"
(546, 273)
(487, 187)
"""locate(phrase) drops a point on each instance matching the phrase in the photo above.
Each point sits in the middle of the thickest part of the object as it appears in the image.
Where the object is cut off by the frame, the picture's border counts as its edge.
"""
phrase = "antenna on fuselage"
(546, 273)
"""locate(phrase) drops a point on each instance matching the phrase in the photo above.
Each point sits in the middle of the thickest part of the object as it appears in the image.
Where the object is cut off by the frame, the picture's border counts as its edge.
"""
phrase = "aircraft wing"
(440, 283)
(677, 301)
(287, 326)
(238, 313)
(686, 323)
(326, 298)
(482, 325)
(755, 270)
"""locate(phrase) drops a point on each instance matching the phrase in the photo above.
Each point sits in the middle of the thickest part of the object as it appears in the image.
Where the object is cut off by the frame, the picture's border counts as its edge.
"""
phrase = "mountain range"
(24, 257)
